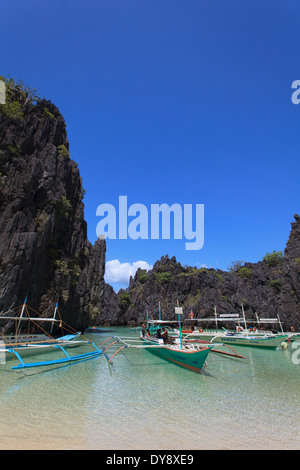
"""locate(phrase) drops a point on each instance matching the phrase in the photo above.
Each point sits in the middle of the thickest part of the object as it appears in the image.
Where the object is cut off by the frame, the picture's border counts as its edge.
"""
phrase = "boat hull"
(268, 342)
(191, 359)
(254, 342)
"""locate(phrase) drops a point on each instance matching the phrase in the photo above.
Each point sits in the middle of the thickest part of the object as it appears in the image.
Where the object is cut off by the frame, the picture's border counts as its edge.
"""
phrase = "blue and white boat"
(22, 344)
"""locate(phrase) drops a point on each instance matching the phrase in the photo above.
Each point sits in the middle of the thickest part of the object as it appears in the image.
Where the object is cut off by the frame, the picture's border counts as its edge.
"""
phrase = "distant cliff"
(44, 250)
(269, 287)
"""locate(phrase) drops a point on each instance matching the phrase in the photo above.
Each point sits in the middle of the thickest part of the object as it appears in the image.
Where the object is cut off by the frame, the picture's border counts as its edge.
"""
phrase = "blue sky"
(172, 101)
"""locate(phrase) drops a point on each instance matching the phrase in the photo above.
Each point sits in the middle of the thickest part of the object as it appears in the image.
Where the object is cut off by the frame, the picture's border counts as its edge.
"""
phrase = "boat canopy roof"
(161, 321)
(227, 318)
(234, 318)
(268, 320)
(29, 318)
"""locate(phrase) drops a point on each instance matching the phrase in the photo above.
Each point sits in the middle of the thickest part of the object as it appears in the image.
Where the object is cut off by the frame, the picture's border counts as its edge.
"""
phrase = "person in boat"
(148, 334)
(164, 335)
(143, 329)
(158, 333)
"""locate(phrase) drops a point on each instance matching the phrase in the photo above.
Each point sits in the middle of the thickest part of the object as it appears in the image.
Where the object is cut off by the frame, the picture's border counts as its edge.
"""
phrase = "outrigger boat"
(189, 354)
(242, 335)
(190, 357)
(20, 344)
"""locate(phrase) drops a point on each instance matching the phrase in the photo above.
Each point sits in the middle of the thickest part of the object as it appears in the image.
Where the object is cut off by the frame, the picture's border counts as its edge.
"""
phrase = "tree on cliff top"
(17, 95)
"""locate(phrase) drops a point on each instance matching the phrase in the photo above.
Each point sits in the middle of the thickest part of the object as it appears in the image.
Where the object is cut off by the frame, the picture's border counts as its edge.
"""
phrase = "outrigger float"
(20, 344)
(189, 354)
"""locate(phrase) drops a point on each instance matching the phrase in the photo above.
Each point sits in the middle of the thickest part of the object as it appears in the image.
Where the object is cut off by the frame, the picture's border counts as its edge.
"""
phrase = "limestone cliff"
(44, 250)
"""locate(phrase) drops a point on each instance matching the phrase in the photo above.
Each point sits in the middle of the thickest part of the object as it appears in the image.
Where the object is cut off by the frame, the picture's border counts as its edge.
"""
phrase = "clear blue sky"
(173, 101)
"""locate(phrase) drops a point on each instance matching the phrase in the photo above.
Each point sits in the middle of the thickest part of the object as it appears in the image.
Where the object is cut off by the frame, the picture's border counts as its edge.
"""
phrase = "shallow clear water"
(147, 403)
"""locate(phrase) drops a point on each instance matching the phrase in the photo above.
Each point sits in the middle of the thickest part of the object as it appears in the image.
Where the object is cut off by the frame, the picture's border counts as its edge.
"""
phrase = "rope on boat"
(63, 325)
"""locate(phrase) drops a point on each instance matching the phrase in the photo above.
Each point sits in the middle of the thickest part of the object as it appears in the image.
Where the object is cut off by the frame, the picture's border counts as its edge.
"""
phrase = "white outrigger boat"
(20, 344)
(242, 335)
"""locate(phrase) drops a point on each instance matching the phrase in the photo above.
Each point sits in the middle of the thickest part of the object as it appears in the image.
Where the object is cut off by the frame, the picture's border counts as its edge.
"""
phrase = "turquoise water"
(144, 402)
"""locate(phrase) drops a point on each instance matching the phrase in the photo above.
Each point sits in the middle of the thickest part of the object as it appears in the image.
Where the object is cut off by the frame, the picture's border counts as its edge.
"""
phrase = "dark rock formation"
(44, 250)
(269, 287)
(109, 308)
(289, 295)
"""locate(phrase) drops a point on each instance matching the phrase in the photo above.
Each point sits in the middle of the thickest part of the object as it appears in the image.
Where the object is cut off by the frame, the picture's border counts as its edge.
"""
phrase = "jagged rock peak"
(165, 263)
(292, 250)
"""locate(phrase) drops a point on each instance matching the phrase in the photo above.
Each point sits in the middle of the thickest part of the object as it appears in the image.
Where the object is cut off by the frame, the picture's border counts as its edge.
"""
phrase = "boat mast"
(280, 323)
(215, 314)
(21, 316)
(179, 311)
(244, 317)
(54, 317)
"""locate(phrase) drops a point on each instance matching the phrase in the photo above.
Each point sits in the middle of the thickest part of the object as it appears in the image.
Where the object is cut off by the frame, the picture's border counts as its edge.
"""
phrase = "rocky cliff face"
(44, 250)
(269, 287)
